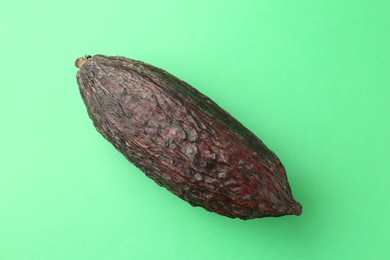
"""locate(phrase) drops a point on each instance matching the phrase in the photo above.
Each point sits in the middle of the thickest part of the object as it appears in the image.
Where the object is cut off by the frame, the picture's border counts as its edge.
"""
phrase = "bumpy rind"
(183, 140)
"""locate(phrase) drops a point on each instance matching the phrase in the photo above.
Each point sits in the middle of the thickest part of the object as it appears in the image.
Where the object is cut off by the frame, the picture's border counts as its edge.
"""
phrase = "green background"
(310, 78)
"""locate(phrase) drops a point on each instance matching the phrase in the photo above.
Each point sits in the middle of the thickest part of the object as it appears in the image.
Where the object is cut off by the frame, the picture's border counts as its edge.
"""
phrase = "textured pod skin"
(183, 140)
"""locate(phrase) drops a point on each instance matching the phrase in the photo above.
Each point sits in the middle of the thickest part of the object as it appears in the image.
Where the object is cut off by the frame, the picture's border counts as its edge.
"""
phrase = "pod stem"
(80, 61)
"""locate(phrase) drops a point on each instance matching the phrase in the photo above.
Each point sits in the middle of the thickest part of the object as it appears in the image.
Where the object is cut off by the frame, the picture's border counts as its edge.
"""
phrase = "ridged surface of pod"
(183, 140)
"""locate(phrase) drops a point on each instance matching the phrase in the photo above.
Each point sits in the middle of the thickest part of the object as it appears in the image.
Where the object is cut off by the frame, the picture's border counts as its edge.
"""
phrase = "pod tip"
(295, 209)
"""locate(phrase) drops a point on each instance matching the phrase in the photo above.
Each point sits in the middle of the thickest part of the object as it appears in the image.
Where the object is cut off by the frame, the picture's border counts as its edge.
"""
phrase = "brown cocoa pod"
(183, 140)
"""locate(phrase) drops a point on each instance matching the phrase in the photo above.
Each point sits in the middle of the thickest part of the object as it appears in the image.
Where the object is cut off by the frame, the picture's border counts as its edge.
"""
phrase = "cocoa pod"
(183, 140)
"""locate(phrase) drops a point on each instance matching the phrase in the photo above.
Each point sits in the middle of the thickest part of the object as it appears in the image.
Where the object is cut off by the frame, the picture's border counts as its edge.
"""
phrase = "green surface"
(310, 78)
